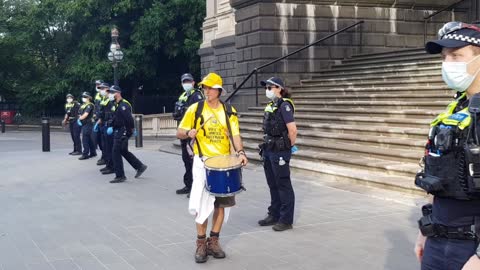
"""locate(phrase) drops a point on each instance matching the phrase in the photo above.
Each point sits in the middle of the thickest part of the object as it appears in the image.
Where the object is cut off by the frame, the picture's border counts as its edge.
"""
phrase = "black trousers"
(108, 146)
(447, 254)
(282, 196)
(87, 138)
(120, 149)
(97, 139)
(75, 131)
(188, 162)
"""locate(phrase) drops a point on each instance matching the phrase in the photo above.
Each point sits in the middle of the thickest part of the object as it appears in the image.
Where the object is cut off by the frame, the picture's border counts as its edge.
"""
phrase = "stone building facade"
(239, 35)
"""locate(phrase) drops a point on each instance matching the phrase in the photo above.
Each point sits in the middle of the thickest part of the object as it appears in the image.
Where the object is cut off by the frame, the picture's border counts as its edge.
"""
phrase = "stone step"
(392, 55)
(360, 120)
(394, 105)
(403, 155)
(344, 173)
(318, 84)
(385, 96)
(382, 70)
(369, 79)
(383, 66)
(305, 136)
(389, 53)
(380, 112)
(414, 133)
(387, 60)
(390, 90)
(352, 161)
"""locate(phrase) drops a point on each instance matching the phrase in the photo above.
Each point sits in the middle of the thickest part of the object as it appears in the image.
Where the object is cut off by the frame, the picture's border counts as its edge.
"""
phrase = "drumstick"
(211, 116)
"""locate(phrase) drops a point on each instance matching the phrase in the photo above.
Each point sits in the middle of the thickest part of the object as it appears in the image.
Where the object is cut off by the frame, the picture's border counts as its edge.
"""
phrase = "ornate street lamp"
(115, 55)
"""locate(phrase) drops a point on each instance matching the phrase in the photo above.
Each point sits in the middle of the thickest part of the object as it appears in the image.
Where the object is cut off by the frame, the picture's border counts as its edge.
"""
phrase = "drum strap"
(227, 108)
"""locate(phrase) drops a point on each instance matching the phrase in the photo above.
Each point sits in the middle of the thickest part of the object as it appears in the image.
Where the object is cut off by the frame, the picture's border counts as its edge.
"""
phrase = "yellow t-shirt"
(213, 136)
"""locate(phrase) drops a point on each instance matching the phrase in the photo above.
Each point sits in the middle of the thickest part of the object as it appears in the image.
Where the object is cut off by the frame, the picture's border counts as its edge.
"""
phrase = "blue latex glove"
(294, 149)
(79, 123)
(109, 130)
(135, 133)
(95, 127)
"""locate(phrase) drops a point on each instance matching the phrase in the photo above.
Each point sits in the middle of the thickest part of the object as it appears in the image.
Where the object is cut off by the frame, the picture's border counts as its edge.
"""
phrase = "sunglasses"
(454, 26)
(270, 87)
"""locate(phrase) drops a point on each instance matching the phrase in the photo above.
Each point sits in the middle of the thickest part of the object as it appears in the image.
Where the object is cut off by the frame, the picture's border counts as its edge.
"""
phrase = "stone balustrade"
(159, 125)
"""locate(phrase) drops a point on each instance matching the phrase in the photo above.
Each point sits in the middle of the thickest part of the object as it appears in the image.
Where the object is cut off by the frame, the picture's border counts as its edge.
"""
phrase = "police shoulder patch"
(199, 96)
(124, 107)
(287, 108)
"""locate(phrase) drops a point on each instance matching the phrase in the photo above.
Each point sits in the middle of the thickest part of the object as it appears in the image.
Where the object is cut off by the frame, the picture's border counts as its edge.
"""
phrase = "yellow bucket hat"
(213, 80)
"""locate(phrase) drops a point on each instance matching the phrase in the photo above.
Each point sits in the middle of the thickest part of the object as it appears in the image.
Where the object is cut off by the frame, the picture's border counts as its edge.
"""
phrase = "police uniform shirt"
(71, 110)
(194, 97)
(212, 137)
(98, 107)
(123, 116)
(86, 108)
(286, 109)
(453, 212)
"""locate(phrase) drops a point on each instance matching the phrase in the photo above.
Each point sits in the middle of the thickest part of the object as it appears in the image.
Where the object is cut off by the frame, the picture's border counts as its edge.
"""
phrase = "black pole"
(115, 75)
(138, 124)
(45, 134)
(3, 125)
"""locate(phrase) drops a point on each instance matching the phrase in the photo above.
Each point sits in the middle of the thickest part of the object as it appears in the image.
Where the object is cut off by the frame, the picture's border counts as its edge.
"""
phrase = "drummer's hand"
(192, 133)
(244, 159)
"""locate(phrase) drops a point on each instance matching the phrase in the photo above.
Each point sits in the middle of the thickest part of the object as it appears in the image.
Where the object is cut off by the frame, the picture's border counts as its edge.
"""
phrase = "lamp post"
(115, 55)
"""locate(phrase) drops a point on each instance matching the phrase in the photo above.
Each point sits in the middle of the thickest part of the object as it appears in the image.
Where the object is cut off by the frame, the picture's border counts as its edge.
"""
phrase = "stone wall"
(265, 30)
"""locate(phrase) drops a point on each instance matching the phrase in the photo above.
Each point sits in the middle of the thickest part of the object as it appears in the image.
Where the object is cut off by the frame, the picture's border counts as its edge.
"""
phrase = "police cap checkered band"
(98, 81)
(273, 81)
(455, 39)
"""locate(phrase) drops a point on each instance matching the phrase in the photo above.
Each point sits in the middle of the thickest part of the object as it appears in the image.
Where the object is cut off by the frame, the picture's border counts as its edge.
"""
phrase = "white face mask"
(111, 97)
(103, 93)
(455, 75)
(187, 86)
(97, 89)
(84, 100)
(69, 100)
(270, 94)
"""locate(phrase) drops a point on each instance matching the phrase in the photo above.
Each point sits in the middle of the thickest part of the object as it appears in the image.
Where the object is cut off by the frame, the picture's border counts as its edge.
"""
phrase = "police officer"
(448, 237)
(122, 129)
(71, 113)
(189, 96)
(97, 136)
(99, 127)
(280, 133)
(107, 113)
(85, 121)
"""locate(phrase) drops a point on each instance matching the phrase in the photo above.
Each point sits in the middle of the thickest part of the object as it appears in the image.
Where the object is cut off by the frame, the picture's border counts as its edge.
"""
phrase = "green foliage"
(52, 47)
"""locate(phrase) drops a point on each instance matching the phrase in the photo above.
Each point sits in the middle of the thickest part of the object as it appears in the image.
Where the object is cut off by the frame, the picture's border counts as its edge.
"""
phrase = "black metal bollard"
(2, 122)
(45, 134)
(138, 125)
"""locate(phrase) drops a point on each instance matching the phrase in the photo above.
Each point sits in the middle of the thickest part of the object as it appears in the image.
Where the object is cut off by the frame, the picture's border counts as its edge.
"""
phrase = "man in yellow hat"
(213, 125)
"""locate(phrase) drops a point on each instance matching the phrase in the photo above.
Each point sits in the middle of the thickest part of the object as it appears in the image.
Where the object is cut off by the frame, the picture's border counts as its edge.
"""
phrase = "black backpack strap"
(198, 114)
(229, 112)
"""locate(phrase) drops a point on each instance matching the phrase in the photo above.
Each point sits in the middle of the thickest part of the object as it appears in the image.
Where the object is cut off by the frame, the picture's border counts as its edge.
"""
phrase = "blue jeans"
(447, 254)
(282, 196)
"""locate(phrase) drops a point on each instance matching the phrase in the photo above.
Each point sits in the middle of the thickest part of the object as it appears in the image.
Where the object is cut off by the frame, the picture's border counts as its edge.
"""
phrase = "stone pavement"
(57, 212)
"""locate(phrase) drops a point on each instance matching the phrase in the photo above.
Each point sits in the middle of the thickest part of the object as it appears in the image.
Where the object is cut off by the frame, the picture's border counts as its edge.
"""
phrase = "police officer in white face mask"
(448, 237)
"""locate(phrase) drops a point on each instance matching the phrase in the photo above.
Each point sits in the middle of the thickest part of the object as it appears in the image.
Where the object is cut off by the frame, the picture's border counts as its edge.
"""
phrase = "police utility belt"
(275, 143)
(430, 229)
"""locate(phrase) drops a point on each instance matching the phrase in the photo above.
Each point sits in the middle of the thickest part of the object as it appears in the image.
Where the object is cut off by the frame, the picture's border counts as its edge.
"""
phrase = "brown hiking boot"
(214, 249)
(201, 252)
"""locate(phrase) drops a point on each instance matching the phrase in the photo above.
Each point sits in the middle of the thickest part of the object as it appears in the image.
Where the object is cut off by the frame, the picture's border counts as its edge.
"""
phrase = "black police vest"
(451, 161)
(275, 128)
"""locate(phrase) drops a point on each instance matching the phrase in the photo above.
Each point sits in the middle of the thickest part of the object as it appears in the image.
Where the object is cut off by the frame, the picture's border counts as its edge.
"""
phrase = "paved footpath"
(57, 212)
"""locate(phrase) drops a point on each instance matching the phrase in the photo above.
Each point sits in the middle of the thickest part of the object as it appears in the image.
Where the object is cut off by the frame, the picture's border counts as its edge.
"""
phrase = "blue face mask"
(187, 86)
(455, 75)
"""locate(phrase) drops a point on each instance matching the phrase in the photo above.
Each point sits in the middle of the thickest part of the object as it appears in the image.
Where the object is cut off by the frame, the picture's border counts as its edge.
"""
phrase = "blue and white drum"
(224, 175)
